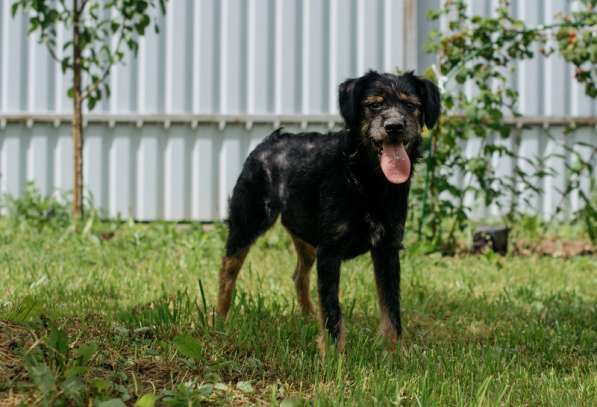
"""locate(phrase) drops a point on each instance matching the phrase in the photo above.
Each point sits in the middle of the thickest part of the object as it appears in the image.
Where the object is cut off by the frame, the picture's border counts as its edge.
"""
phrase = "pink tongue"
(395, 163)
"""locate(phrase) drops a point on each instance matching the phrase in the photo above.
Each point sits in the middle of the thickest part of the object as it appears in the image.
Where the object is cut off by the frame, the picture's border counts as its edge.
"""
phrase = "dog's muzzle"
(395, 129)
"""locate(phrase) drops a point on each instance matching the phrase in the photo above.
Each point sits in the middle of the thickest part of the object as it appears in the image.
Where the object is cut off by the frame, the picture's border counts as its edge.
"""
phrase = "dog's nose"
(394, 126)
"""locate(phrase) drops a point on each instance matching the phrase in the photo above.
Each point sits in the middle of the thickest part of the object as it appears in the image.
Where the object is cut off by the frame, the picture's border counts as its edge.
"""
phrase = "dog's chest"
(376, 230)
(362, 233)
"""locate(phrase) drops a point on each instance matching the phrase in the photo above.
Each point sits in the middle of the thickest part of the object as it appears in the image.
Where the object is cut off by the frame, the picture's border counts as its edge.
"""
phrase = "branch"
(83, 5)
(93, 86)
(52, 52)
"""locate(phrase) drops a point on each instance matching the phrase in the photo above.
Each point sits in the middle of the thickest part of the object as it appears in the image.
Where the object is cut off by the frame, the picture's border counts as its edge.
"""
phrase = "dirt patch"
(14, 340)
(10, 399)
(554, 248)
(158, 373)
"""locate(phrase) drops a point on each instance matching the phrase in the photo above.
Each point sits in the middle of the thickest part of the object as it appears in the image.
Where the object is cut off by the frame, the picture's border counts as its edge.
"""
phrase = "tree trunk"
(77, 124)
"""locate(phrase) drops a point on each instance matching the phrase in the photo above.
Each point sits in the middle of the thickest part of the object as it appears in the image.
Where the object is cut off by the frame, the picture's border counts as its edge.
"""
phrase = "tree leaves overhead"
(108, 29)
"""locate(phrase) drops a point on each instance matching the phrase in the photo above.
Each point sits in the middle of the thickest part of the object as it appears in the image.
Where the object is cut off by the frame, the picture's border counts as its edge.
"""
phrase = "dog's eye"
(375, 105)
(410, 106)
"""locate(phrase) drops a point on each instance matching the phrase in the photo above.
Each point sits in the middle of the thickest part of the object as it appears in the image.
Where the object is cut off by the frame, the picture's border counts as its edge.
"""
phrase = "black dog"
(340, 194)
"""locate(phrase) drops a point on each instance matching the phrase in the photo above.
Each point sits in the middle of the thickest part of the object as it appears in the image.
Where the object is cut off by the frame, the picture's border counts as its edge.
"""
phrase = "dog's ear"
(429, 95)
(350, 93)
(347, 102)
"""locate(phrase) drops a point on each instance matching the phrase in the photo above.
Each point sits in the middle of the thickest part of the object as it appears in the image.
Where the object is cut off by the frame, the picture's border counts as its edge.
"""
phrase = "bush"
(35, 209)
(481, 51)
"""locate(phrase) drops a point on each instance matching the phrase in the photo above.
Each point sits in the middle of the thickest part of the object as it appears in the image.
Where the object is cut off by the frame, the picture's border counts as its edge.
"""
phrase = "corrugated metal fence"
(170, 141)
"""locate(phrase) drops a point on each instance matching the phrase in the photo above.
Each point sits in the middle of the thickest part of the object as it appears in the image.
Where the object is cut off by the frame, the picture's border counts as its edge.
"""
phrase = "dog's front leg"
(328, 284)
(386, 262)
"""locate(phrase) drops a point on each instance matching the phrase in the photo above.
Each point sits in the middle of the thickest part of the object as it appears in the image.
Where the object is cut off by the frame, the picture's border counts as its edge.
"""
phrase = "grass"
(118, 314)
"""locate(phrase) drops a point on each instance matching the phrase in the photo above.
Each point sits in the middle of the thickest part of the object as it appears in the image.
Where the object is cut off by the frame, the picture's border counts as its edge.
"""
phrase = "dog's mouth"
(394, 161)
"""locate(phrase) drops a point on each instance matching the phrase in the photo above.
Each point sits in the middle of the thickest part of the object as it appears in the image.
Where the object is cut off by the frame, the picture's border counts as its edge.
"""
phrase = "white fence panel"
(220, 76)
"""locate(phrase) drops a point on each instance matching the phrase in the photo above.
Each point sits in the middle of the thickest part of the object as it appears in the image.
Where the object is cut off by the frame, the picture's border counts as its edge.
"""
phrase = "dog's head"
(385, 113)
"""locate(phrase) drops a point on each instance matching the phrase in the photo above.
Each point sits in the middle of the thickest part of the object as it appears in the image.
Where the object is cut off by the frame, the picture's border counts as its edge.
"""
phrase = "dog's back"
(283, 174)
(288, 157)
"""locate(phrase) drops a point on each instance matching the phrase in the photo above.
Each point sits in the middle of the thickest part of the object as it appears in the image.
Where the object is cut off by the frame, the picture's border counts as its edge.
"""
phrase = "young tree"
(101, 31)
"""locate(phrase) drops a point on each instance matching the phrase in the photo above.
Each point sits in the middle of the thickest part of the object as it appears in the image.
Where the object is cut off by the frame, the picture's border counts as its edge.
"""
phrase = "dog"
(339, 195)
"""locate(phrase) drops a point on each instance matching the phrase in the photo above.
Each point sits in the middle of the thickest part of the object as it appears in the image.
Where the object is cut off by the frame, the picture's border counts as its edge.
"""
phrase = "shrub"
(480, 52)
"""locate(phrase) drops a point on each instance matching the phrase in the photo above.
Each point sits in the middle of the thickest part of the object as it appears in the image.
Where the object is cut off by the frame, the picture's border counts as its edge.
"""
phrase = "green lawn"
(99, 316)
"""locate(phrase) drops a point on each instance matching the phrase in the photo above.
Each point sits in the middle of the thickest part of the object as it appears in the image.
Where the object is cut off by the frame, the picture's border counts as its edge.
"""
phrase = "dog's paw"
(324, 341)
(389, 336)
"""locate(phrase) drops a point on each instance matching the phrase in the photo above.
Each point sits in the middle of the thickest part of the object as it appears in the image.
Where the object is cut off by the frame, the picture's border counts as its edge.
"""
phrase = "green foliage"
(147, 400)
(580, 168)
(187, 394)
(107, 29)
(57, 370)
(480, 52)
(188, 347)
(578, 45)
(36, 209)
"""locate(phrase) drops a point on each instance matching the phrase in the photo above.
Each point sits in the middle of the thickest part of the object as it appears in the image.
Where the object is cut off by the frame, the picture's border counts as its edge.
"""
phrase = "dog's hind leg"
(251, 214)
(228, 274)
(305, 258)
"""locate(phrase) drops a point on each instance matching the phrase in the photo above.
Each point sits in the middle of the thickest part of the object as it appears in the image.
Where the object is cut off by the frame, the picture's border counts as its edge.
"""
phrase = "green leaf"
(205, 389)
(101, 386)
(64, 65)
(428, 73)
(111, 403)
(221, 386)
(245, 387)
(33, 25)
(75, 371)
(91, 102)
(85, 352)
(189, 347)
(58, 341)
(42, 377)
(14, 8)
(26, 310)
(147, 400)
(293, 402)
(73, 387)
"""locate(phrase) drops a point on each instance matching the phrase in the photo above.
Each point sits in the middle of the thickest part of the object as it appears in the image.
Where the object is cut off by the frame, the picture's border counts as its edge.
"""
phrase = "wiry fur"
(332, 195)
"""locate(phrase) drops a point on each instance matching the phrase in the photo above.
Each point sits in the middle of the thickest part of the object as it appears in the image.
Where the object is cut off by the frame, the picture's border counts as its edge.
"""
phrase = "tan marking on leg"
(305, 259)
(323, 334)
(340, 345)
(321, 345)
(228, 274)
(386, 329)
(385, 325)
